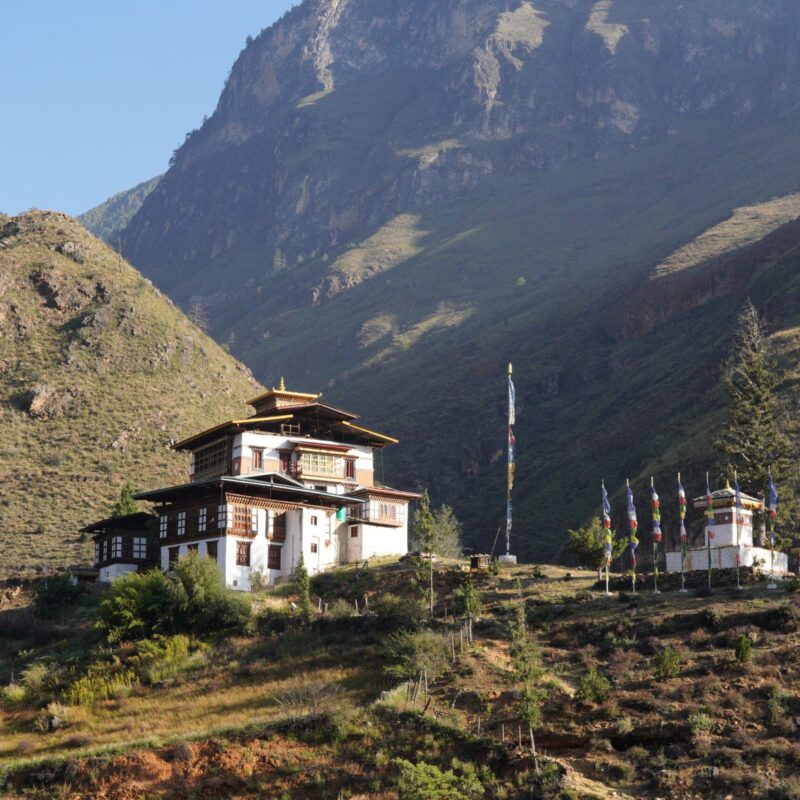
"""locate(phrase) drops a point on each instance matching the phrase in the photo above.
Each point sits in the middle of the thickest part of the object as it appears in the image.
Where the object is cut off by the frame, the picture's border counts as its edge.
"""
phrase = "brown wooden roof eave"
(127, 521)
(231, 426)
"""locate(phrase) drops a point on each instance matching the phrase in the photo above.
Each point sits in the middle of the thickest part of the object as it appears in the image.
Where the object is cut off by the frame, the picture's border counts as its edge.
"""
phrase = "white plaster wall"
(725, 558)
(725, 535)
(377, 541)
(114, 571)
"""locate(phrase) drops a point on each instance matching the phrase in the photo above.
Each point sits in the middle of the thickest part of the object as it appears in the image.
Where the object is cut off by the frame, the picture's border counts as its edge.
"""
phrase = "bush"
(342, 609)
(163, 657)
(191, 599)
(53, 594)
(468, 600)
(668, 663)
(408, 653)
(700, 722)
(102, 681)
(274, 621)
(742, 648)
(14, 694)
(424, 781)
(393, 611)
(594, 686)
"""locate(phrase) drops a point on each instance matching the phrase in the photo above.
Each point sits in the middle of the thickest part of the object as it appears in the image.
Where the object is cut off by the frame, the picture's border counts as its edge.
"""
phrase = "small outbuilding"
(124, 544)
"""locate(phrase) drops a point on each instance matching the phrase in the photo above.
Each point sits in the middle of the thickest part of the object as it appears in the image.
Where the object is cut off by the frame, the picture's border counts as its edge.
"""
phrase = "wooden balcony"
(374, 513)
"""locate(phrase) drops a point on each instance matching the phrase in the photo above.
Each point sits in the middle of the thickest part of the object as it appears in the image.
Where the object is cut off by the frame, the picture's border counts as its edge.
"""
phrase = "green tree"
(302, 586)
(587, 545)
(424, 781)
(446, 533)
(742, 648)
(469, 599)
(422, 539)
(125, 504)
(527, 671)
(753, 441)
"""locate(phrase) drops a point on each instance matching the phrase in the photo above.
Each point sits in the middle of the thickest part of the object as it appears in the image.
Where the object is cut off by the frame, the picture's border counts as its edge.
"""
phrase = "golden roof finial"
(282, 387)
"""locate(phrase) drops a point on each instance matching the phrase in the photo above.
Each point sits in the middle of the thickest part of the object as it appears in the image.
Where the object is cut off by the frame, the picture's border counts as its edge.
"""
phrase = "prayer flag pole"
(656, 532)
(736, 526)
(633, 524)
(609, 536)
(773, 515)
(709, 526)
(512, 444)
(684, 537)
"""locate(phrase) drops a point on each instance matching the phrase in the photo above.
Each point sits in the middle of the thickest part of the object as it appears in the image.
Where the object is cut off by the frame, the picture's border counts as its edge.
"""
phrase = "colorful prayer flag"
(772, 505)
(512, 402)
(633, 523)
(682, 509)
(656, 514)
(609, 536)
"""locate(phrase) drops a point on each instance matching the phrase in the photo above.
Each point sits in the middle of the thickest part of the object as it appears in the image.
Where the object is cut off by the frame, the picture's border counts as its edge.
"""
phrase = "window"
(274, 557)
(202, 520)
(181, 523)
(350, 468)
(193, 548)
(97, 552)
(279, 527)
(163, 522)
(116, 547)
(322, 464)
(243, 554)
(222, 513)
(314, 520)
(286, 462)
(354, 532)
(258, 457)
(139, 547)
(254, 520)
(104, 550)
(314, 547)
(245, 520)
(211, 461)
(211, 550)
(174, 553)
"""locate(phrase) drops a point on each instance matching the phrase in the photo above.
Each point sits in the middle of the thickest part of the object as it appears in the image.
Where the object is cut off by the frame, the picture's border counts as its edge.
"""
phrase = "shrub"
(700, 722)
(274, 620)
(424, 781)
(38, 682)
(468, 600)
(594, 686)
(14, 694)
(191, 599)
(164, 657)
(742, 648)
(393, 611)
(668, 663)
(342, 609)
(102, 681)
(408, 653)
(624, 726)
(53, 594)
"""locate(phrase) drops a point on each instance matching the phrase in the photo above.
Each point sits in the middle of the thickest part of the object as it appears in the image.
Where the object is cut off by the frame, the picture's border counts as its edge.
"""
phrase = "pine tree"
(588, 544)
(752, 441)
(125, 504)
(303, 588)
(527, 669)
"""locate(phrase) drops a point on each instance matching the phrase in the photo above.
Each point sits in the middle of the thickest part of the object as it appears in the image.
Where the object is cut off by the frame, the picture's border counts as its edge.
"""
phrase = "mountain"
(107, 220)
(393, 200)
(98, 373)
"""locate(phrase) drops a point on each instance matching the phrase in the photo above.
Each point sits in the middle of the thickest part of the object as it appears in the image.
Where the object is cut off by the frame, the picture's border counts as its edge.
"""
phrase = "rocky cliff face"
(347, 112)
(394, 198)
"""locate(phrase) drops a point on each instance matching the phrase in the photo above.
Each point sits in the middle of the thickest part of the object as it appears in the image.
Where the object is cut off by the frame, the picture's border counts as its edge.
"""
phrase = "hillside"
(326, 709)
(99, 372)
(107, 220)
(391, 203)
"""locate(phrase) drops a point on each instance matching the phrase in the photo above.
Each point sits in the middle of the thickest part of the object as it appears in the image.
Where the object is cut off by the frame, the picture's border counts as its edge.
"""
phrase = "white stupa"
(732, 532)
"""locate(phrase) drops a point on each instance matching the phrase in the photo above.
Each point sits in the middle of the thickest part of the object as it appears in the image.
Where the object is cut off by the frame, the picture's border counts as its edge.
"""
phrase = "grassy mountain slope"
(107, 220)
(314, 712)
(98, 373)
(392, 204)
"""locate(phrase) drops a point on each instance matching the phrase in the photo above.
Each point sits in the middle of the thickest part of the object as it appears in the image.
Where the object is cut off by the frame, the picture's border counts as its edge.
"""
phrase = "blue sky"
(96, 94)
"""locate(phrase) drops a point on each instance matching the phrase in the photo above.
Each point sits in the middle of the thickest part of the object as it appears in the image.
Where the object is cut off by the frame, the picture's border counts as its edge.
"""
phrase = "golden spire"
(282, 386)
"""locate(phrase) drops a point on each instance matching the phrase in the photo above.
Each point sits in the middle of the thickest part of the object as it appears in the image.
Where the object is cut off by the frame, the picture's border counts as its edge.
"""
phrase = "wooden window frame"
(212, 549)
(243, 554)
(163, 526)
(139, 548)
(274, 554)
(314, 547)
(258, 457)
